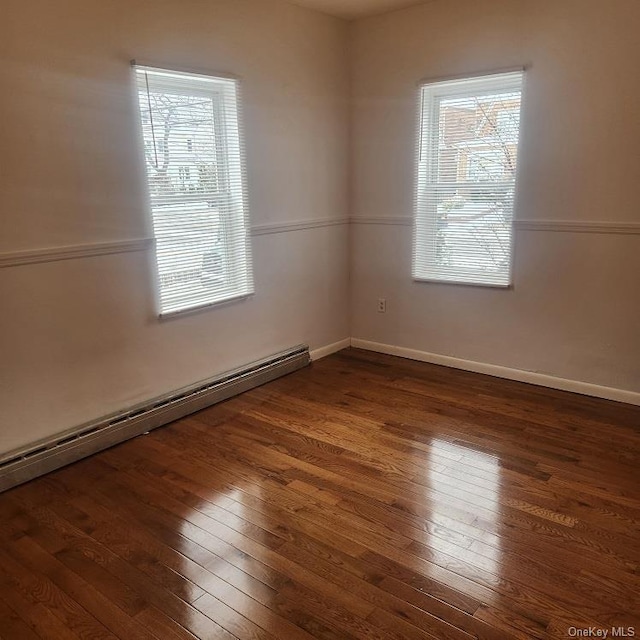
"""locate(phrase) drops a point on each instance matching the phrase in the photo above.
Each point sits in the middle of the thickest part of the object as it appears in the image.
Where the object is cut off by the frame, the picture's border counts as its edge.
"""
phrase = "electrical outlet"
(382, 305)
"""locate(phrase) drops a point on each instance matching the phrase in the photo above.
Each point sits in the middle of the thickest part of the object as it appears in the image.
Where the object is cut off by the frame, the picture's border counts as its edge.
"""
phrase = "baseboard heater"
(45, 456)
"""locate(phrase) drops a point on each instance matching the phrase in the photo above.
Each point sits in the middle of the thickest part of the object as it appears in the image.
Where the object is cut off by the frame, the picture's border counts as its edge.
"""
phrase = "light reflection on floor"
(467, 486)
(226, 574)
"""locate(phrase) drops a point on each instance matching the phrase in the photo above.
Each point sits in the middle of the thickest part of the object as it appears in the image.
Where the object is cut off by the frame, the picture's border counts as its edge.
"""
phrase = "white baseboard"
(540, 379)
(327, 350)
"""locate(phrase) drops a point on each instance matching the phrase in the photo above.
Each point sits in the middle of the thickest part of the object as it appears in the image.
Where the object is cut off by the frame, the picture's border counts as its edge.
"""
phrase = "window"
(196, 180)
(467, 158)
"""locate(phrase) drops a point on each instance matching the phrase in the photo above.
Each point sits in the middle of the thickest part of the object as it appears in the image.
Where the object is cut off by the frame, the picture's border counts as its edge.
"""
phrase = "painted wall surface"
(574, 311)
(79, 338)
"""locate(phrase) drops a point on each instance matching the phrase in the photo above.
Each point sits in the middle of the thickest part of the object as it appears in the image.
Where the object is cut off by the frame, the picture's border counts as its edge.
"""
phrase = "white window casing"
(196, 181)
(466, 179)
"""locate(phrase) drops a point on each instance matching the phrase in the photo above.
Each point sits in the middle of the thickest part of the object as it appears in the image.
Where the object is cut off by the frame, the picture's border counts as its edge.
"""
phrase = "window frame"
(231, 186)
(430, 94)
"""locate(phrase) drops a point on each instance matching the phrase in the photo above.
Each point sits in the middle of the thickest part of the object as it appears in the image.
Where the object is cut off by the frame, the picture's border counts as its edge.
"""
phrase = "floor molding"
(530, 377)
(327, 350)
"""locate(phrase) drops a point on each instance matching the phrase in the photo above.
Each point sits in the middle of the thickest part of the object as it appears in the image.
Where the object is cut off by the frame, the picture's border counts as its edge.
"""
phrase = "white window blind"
(195, 173)
(466, 179)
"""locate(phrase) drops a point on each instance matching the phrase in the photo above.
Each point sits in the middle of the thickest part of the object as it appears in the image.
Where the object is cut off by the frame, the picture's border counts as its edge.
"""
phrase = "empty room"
(319, 319)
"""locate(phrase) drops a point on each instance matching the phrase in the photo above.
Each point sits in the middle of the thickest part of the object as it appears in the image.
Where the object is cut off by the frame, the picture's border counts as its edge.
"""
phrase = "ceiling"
(355, 8)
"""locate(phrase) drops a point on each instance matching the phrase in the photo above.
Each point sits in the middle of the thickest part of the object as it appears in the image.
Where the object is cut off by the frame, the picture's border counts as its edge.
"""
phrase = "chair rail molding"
(55, 254)
(574, 226)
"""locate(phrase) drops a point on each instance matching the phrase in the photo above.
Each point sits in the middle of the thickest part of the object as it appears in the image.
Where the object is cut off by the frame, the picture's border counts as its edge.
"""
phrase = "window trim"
(424, 225)
(240, 276)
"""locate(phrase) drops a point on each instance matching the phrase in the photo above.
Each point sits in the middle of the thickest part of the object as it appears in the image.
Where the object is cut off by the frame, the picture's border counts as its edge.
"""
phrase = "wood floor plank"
(79, 550)
(105, 607)
(46, 596)
(13, 626)
(364, 497)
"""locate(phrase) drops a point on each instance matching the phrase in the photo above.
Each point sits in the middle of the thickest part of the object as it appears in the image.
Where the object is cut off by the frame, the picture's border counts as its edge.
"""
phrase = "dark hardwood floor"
(365, 497)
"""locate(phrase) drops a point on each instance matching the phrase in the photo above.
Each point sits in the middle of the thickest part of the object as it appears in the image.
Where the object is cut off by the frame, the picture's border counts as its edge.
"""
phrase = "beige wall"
(78, 338)
(575, 309)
